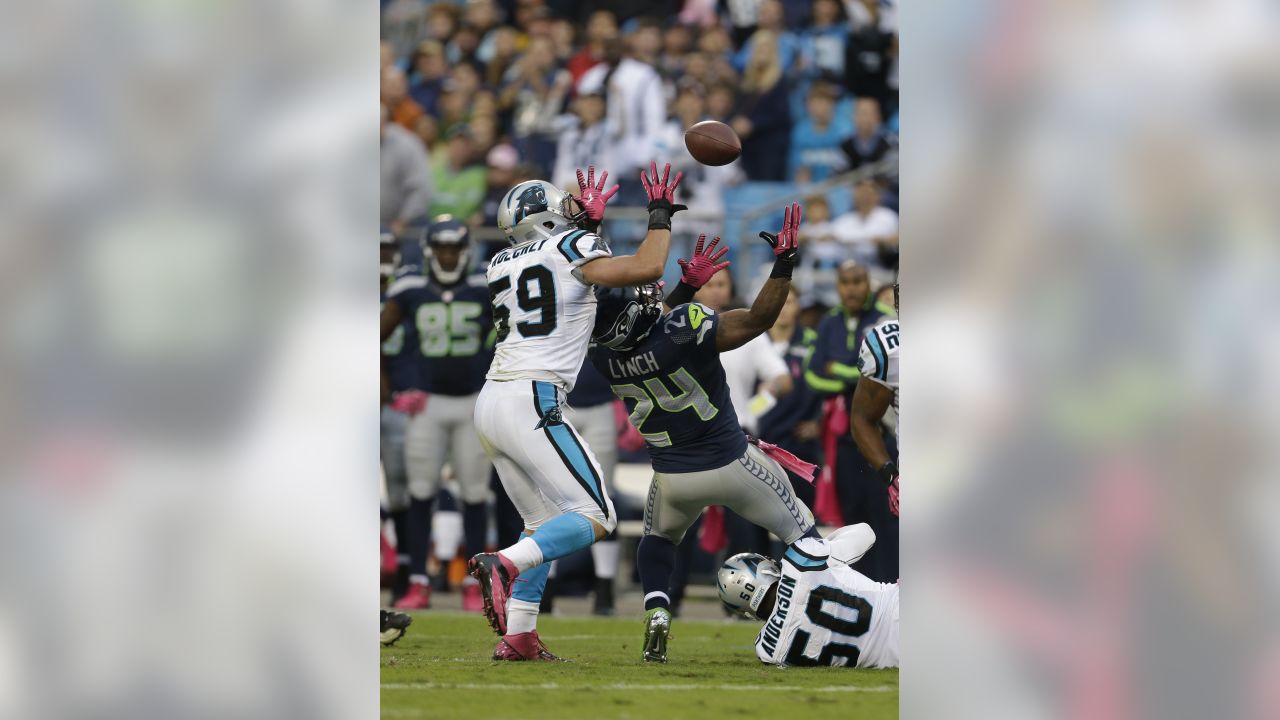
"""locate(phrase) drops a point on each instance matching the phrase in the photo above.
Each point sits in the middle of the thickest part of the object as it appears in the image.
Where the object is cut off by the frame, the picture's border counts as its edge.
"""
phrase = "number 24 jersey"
(827, 613)
(543, 309)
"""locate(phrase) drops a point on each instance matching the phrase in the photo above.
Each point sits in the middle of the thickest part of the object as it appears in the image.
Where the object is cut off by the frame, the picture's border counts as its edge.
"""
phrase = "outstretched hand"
(786, 243)
(704, 263)
(661, 190)
(592, 196)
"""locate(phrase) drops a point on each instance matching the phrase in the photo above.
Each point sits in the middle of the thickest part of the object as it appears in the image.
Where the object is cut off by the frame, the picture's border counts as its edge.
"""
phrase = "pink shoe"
(472, 598)
(524, 646)
(418, 598)
(495, 574)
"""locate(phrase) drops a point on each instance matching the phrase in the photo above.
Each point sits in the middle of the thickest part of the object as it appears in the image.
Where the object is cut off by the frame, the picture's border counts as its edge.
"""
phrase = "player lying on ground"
(544, 309)
(666, 367)
(877, 389)
(817, 610)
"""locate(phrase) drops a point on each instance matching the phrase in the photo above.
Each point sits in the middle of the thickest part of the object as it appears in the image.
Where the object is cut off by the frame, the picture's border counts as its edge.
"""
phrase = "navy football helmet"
(445, 231)
(624, 316)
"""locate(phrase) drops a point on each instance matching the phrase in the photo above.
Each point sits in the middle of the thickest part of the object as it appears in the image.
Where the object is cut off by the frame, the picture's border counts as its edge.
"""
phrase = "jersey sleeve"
(692, 325)
(878, 358)
(581, 246)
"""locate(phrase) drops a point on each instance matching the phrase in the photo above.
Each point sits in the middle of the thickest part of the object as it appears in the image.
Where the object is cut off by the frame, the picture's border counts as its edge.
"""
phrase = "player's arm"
(738, 327)
(870, 401)
(651, 257)
(392, 315)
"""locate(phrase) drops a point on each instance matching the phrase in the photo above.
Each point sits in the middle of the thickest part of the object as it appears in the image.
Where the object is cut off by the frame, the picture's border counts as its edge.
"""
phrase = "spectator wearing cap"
(405, 190)
(535, 93)
(584, 140)
(500, 175)
(815, 139)
(637, 110)
(458, 180)
(870, 142)
(427, 71)
(763, 113)
(395, 95)
(602, 31)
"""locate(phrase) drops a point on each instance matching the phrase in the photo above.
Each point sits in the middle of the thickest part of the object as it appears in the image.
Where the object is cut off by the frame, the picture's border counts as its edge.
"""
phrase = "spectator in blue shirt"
(771, 20)
(815, 140)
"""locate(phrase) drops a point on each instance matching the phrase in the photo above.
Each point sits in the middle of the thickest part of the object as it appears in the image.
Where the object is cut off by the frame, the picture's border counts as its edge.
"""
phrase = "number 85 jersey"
(543, 310)
(827, 613)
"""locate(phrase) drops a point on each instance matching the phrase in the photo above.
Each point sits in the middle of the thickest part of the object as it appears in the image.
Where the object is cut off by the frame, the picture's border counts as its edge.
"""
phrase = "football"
(712, 143)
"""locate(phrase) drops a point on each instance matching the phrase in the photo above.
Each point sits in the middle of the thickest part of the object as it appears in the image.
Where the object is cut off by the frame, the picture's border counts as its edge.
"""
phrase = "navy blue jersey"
(833, 365)
(399, 350)
(454, 327)
(674, 387)
(591, 388)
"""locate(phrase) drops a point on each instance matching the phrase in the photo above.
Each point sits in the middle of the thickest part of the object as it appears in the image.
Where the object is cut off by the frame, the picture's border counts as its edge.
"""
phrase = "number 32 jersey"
(826, 613)
(543, 310)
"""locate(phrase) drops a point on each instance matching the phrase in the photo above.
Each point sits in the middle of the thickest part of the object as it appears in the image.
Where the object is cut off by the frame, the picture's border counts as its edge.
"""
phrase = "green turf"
(441, 669)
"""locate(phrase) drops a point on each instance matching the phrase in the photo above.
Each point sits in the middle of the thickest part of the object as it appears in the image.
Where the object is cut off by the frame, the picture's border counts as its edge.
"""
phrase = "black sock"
(400, 521)
(656, 559)
(418, 535)
(475, 526)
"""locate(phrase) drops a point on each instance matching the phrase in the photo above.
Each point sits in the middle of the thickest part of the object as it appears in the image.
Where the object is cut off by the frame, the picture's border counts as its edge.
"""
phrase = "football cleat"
(418, 597)
(394, 625)
(495, 574)
(657, 628)
(524, 647)
(472, 599)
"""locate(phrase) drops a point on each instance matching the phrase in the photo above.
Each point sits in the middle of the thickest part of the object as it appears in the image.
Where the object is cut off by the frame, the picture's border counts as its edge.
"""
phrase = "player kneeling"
(817, 610)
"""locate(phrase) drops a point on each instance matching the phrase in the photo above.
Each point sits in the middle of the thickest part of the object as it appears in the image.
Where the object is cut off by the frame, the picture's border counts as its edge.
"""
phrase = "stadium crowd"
(478, 96)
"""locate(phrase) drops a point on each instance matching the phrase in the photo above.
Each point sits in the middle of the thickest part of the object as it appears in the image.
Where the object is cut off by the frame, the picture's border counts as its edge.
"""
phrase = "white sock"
(605, 556)
(446, 534)
(555, 565)
(524, 554)
(420, 579)
(522, 616)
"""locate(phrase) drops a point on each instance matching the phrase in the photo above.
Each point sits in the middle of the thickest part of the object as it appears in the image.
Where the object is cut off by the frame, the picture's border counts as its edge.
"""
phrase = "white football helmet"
(533, 210)
(743, 581)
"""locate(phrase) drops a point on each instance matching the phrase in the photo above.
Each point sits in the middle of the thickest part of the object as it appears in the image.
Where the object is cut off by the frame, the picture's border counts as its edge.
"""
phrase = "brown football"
(712, 143)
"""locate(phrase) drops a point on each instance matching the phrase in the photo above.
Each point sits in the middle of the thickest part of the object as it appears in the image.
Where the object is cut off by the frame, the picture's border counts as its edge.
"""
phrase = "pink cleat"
(524, 646)
(472, 598)
(495, 574)
(418, 597)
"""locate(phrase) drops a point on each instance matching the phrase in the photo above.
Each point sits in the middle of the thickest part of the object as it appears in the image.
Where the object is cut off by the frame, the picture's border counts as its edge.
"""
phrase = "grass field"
(441, 669)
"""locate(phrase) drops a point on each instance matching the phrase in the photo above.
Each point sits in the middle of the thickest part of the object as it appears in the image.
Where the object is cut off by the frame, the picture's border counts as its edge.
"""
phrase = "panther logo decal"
(532, 200)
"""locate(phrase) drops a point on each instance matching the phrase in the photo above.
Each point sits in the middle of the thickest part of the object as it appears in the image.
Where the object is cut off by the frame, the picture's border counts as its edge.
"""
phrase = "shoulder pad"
(407, 270)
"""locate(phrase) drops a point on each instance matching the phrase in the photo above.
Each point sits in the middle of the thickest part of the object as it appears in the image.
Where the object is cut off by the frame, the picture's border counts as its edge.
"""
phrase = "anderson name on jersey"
(878, 359)
(826, 613)
(674, 387)
(543, 309)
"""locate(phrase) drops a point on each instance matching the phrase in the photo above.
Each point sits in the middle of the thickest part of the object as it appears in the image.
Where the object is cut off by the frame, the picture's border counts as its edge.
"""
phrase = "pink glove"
(786, 242)
(661, 190)
(409, 402)
(593, 197)
(893, 497)
(699, 269)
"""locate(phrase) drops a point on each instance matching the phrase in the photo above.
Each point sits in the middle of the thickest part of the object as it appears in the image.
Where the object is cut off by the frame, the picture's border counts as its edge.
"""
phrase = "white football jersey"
(826, 613)
(878, 359)
(543, 310)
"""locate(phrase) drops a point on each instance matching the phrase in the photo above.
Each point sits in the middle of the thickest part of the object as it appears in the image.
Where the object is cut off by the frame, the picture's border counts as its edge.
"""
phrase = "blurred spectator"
(453, 111)
(870, 142)
(427, 70)
(428, 131)
(645, 40)
(763, 116)
(462, 47)
(820, 254)
(870, 230)
(793, 423)
(816, 138)
(602, 30)
(884, 296)
(483, 17)
(388, 55)
(506, 51)
(744, 16)
(403, 24)
(677, 41)
(703, 184)
(771, 20)
(868, 55)
(584, 140)
(395, 95)
(721, 100)
(534, 93)
(406, 176)
(484, 131)
(442, 20)
(625, 10)
(823, 43)
(564, 38)
(637, 109)
(465, 79)
(458, 179)
(500, 174)
(716, 43)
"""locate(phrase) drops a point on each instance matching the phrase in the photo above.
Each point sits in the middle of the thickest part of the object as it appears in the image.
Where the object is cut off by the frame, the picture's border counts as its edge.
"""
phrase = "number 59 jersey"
(827, 613)
(543, 309)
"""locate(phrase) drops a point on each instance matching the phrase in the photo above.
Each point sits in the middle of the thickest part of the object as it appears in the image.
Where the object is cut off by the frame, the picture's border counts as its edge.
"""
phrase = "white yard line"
(641, 686)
